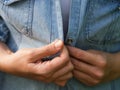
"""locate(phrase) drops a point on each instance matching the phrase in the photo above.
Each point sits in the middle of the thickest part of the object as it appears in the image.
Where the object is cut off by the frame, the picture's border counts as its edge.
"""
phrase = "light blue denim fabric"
(94, 24)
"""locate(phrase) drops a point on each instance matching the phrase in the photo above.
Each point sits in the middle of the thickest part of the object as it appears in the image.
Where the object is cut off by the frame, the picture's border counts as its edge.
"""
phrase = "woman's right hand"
(28, 63)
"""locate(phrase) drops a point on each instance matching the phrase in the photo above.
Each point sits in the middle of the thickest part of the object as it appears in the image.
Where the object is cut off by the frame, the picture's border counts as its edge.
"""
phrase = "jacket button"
(24, 31)
(69, 41)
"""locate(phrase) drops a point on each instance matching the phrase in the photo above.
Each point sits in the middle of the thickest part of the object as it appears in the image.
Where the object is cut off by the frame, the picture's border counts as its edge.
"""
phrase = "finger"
(58, 62)
(48, 50)
(84, 78)
(86, 68)
(84, 82)
(83, 55)
(38, 76)
(53, 65)
(61, 83)
(64, 54)
(65, 77)
(65, 71)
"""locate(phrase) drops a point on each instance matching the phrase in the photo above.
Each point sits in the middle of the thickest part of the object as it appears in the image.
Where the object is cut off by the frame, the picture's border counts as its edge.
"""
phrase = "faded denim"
(93, 24)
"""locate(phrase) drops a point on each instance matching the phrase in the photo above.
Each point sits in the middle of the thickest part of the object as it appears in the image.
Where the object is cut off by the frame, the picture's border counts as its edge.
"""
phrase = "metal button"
(69, 41)
(24, 31)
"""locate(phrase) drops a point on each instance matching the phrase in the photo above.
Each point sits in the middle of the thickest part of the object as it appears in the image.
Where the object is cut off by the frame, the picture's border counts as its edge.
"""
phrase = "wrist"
(4, 62)
(114, 65)
(5, 54)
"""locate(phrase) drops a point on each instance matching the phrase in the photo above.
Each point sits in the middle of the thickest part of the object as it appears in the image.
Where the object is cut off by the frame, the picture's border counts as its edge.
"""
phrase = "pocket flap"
(8, 2)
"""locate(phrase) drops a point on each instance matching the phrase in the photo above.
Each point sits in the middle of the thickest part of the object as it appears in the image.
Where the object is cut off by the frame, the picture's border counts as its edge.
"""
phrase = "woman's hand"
(28, 63)
(65, 73)
(92, 67)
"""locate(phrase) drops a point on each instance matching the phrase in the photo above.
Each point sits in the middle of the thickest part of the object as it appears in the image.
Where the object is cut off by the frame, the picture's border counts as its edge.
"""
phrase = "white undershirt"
(65, 7)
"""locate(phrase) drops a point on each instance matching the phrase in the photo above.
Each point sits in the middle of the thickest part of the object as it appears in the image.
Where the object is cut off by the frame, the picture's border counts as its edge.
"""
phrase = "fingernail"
(58, 44)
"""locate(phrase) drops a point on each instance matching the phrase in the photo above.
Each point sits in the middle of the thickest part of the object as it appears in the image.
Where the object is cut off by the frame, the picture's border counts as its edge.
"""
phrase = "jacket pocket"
(8, 2)
(102, 25)
(19, 14)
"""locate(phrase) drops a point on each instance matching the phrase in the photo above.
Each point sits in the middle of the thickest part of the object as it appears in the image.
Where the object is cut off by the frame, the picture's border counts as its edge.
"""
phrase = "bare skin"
(92, 67)
(27, 63)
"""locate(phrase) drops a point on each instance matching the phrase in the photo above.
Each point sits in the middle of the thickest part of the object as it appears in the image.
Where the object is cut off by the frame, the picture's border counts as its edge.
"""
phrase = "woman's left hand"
(92, 67)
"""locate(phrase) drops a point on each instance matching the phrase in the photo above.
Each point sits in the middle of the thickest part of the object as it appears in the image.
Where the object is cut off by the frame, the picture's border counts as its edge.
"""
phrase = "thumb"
(50, 49)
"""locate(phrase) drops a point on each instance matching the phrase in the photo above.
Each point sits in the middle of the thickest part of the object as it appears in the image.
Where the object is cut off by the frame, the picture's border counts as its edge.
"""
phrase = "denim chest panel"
(19, 14)
(94, 22)
(39, 20)
(102, 21)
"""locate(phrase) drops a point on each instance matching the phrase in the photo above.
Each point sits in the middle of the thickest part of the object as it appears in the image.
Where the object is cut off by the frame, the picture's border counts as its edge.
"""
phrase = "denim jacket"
(93, 24)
